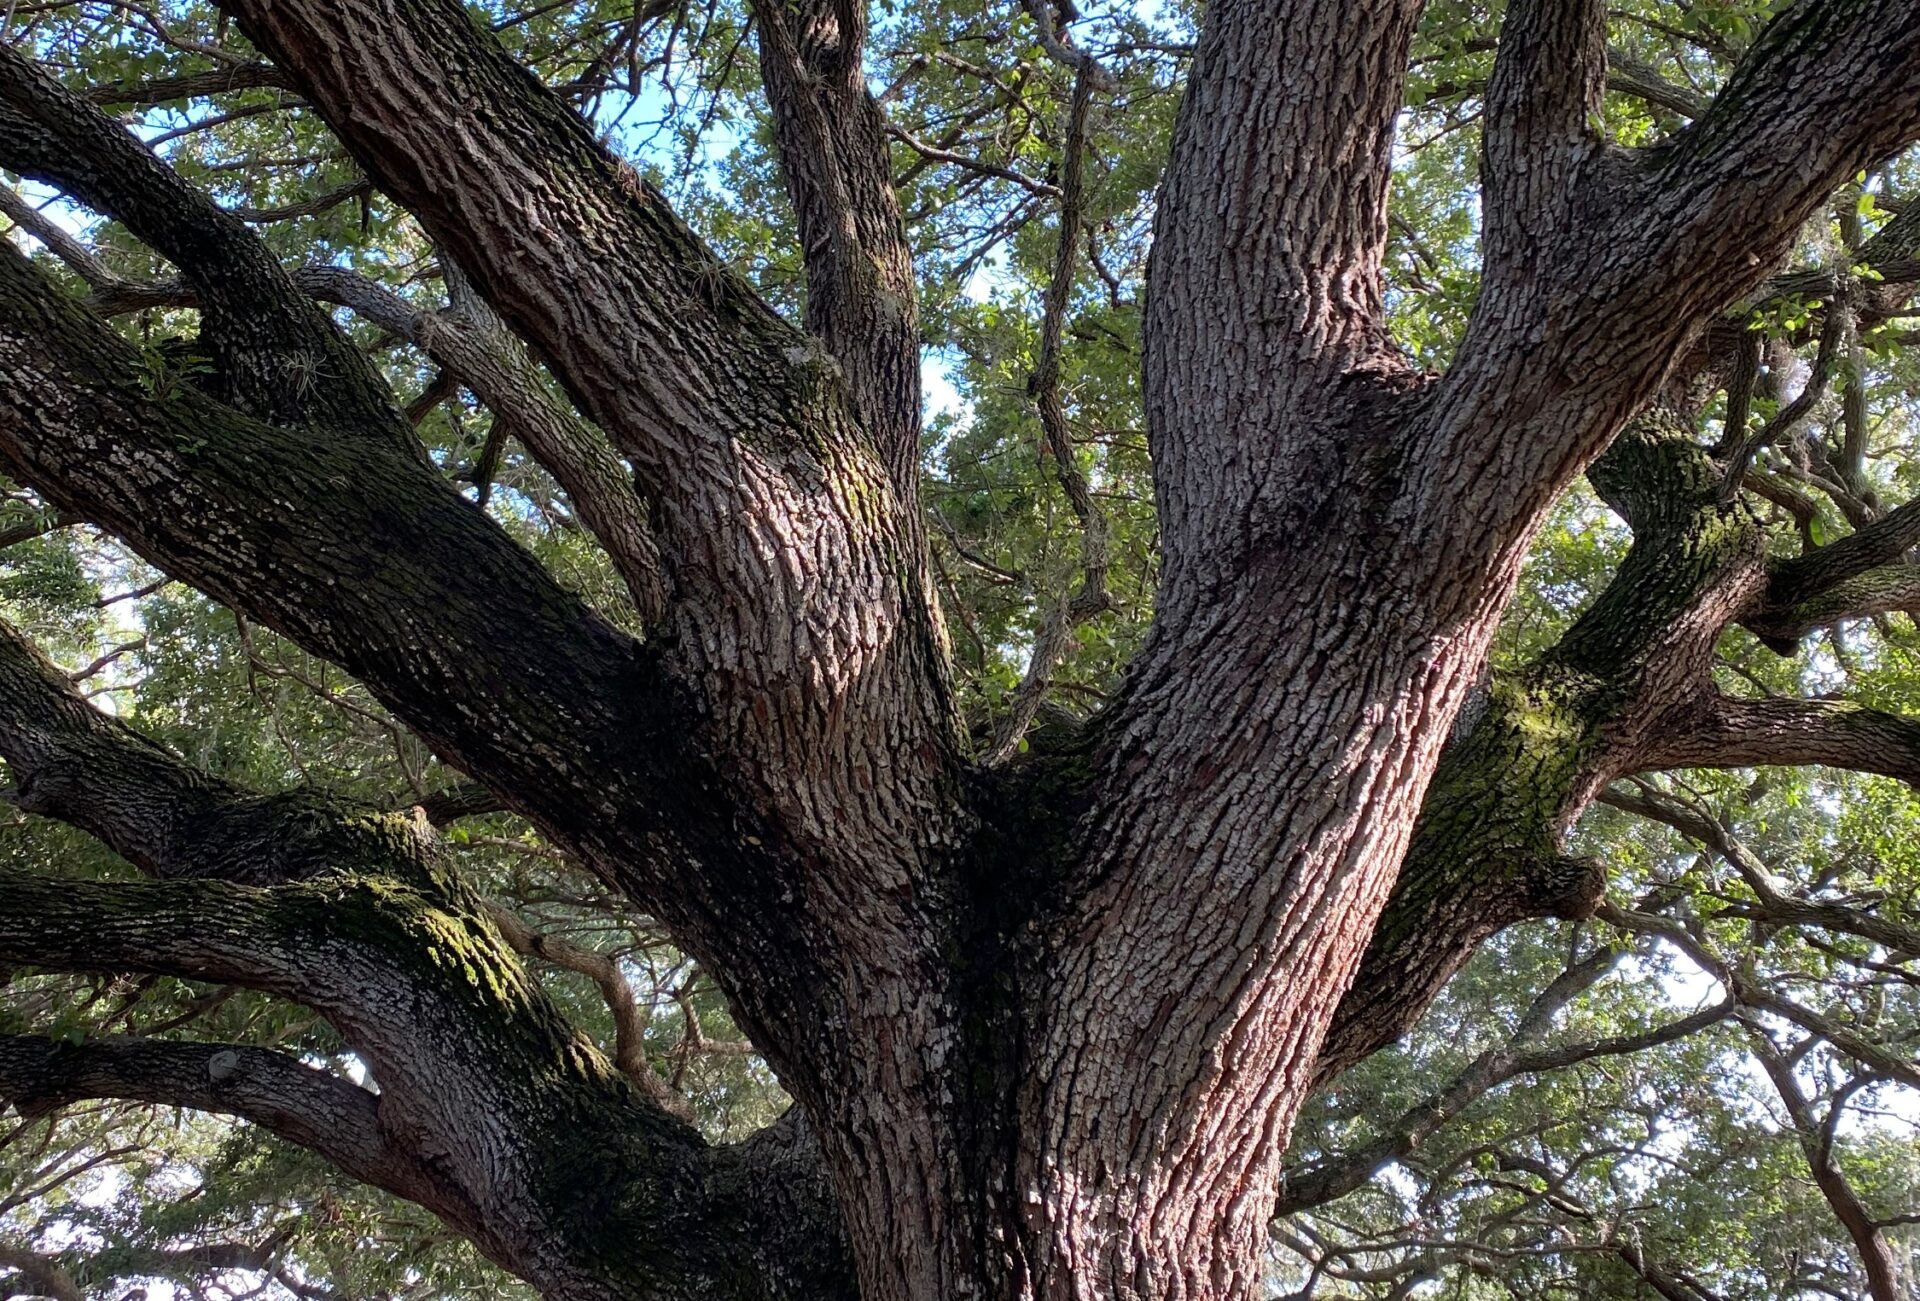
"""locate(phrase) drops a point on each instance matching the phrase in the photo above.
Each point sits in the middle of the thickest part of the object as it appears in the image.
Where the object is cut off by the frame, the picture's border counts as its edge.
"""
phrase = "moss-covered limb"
(742, 1223)
(357, 552)
(1879, 544)
(72, 762)
(364, 557)
(801, 611)
(1624, 690)
(310, 1107)
(494, 1105)
(1486, 851)
(493, 1109)
(503, 1111)
(1874, 591)
(1485, 854)
(801, 653)
(274, 352)
(1721, 731)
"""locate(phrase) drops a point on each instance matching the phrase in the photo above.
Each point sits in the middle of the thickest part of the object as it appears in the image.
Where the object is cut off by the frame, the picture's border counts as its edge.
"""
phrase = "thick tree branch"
(1648, 249)
(801, 621)
(500, 1112)
(492, 1091)
(1834, 77)
(1723, 731)
(1537, 744)
(1542, 101)
(1889, 588)
(476, 350)
(1270, 235)
(1881, 543)
(306, 1106)
(276, 354)
(666, 350)
(72, 762)
(861, 291)
(356, 551)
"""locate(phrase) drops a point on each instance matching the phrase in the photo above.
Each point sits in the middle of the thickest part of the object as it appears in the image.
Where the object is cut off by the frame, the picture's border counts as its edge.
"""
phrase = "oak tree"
(1049, 988)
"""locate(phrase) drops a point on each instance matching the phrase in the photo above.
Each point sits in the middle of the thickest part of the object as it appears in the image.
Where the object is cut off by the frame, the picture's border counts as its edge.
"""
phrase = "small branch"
(1751, 994)
(476, 349)
(934, 153)
(1833, 335)
(69, 250)
(1336, 1176)
(1058, 44)
(629, 1025)
(1631, 76)
(1092, 598)
(106, 660)
(269, 344)
(326, 201)
(1876, 1254)
(195, 85)
(36, 529)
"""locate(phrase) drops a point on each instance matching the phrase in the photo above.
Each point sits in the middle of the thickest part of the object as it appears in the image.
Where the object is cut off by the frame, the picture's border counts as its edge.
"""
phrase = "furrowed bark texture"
(1338, 541)
(799, 627)
(1541, 743)
(1626, 689)
(491, 1110)
(832, 138)
(1049, 1023)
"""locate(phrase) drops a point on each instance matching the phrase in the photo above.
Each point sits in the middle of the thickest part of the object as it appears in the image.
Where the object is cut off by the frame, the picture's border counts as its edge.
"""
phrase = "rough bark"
(1544, 741)
(491, 1111)
(832, 140)
(1048, 1025)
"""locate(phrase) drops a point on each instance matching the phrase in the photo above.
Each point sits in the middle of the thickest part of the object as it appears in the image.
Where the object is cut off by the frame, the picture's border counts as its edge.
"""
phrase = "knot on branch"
(1569, 887)
(1654, 473)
